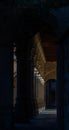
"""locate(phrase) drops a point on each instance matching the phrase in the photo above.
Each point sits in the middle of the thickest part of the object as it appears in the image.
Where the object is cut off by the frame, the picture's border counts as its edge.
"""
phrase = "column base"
(24, 113)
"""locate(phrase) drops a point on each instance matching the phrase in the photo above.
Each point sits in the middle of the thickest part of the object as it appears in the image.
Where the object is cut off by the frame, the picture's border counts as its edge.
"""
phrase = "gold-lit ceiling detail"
(39, 58)
(45, 58)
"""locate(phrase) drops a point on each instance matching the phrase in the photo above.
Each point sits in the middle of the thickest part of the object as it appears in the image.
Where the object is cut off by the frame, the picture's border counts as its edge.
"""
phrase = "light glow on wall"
(38, 76)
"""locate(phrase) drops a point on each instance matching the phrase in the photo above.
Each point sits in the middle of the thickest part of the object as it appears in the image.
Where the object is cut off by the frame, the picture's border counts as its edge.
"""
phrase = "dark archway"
(28, 23)
(50, 94)
(14, 28)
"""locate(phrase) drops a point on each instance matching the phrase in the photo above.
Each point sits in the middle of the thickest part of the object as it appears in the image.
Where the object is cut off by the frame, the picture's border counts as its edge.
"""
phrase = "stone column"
(60, 87)
(47, 95)
(66, 84)
(24, 109)
(6, 87)
(63, 85)
(35, 91)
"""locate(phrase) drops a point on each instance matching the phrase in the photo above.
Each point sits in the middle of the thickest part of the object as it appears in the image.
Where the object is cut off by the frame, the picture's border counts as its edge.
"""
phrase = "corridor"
(34, 67)
(45, 120)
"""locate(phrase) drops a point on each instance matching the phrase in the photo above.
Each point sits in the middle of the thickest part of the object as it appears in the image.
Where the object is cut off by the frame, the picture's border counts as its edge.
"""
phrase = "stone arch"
(50, 93)
(50, 70)
(25, 29)
(51, 75)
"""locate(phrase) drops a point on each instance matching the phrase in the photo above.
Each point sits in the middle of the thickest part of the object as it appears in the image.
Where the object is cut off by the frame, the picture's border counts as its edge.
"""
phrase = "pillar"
(60, 87)
(25, 101)
(6, 87)
(63, 85)
(66, 84)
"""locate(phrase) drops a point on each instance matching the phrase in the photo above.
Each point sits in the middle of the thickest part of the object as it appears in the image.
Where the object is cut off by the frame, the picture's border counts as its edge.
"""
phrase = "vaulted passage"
(34, 74)
(31, 106)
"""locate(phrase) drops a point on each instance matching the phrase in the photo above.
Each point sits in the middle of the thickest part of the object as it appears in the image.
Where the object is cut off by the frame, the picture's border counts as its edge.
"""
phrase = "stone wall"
(46, 69)
(50, 70)
(39, 89)
(39, 61)
(39, 58)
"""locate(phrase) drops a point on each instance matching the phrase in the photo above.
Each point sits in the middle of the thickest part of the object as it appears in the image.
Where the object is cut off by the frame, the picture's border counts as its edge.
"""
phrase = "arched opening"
(17, 25)
(45, 54)
(50, 94)
(45, 68)
(35, 51)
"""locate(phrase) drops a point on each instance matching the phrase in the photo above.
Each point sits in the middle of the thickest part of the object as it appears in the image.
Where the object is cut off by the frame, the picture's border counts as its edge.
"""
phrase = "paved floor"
(45, 120)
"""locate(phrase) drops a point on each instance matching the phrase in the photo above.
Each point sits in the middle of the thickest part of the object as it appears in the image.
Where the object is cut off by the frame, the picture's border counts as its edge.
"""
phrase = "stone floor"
(45, 120)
